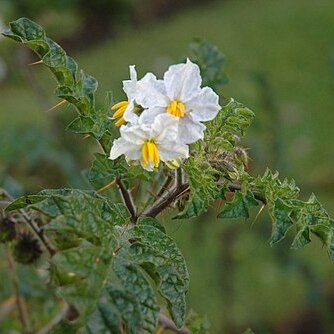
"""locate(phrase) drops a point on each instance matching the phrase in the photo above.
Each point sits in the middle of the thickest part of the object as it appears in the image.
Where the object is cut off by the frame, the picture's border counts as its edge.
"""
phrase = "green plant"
(109, 257)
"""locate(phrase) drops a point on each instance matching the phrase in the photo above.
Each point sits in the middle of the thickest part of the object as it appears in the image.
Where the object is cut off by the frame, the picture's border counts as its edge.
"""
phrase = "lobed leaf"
(74, 86)
(211, 63)
(160, 257)
(240, 205)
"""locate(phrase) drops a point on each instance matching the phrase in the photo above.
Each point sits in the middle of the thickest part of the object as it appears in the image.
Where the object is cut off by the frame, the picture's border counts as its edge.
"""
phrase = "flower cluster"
(162, 116)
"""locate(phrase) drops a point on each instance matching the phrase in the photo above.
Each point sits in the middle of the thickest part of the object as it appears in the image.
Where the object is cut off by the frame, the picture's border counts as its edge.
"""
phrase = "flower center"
(120, 108)
(150, 153)
(176, 109)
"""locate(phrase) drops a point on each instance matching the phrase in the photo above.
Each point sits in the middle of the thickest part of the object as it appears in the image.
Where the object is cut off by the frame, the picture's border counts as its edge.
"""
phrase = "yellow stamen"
(149, 153)
(119, 105)
(176, 109)
(120, 122)
(120, 108)
(156, 156)
(144, 154)
(119, 112)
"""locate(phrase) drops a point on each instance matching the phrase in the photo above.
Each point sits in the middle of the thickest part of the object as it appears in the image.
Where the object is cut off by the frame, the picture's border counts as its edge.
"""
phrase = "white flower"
(126, 107)
(179, 94)
(129, 110)
(150, 144)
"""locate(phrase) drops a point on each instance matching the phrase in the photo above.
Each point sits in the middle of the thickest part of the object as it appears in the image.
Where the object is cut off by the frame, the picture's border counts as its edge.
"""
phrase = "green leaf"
(239, 207)
(74, 86)
(65, 327)
(104, 171)
(86, 272)
(281, 215)
(211, 63)
(139, 287)
(233, 118)
(24, 201)
(194, 207)
(159, 255)
(203, 185)
(149, 221)
(198, 324)
(25, 30)
(287, 210)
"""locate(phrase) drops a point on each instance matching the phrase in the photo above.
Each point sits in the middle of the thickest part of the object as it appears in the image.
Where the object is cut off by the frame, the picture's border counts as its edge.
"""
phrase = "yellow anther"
(144, 154)
(150, 153)
(120, 122)
(119, 112)
(119, 105)
(176, 109)
(120, 108)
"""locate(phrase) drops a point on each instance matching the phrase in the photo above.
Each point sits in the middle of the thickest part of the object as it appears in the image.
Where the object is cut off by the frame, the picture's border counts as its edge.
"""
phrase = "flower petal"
(172, 150)
(129, 114)
(121, 146)
(130, 86)
(189, 130)
(182, 81)
(204, 106)
(135, 134)
(148, 115)
(151, 92)
(165, 128)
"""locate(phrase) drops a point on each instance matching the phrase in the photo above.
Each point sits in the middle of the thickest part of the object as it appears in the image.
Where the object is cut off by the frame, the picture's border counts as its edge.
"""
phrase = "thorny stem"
(165, 185)
(166, 323)
(163, 202)
(179, 177)
(127, 198)
(39, 232)
(21, 306)
(163, 189)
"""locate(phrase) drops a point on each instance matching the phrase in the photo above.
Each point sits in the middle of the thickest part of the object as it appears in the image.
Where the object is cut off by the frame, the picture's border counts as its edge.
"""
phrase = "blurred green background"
(280, 63)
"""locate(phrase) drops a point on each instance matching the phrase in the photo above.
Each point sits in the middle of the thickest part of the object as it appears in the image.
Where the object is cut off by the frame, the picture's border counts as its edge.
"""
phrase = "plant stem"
(21, 305)
(127, 198)
(44, 240)
(179, 177)
(165, 185)
(163, 202)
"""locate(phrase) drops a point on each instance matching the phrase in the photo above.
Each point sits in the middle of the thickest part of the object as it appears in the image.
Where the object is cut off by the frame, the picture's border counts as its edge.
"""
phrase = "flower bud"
(174, 164)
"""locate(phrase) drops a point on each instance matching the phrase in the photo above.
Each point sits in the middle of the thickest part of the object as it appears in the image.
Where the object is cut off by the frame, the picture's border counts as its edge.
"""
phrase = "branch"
(21, 305)
(44, 240)
(165, 185)
(127, 198)
(163, 202)
(166, 323)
